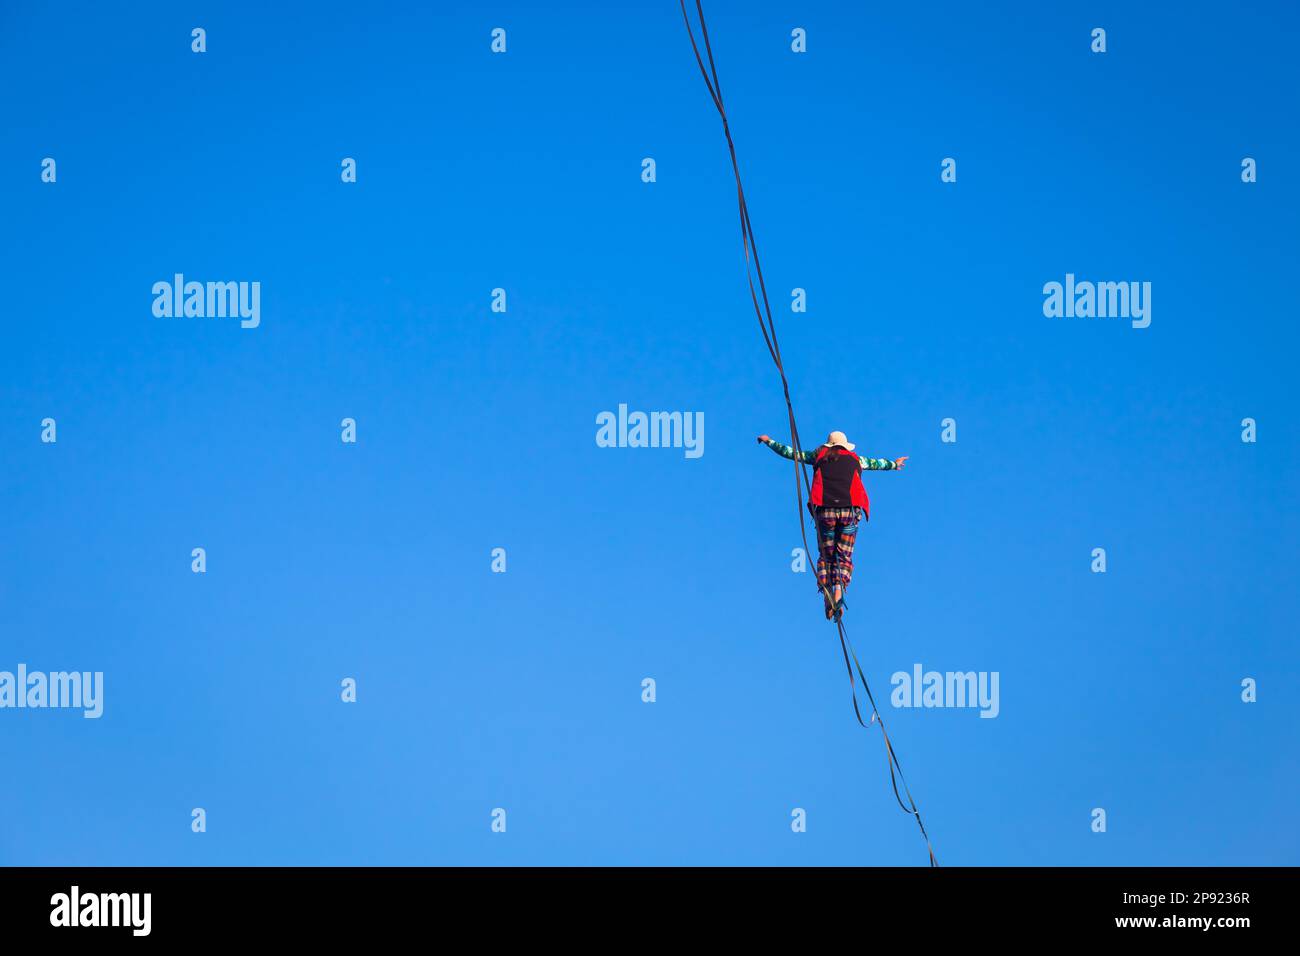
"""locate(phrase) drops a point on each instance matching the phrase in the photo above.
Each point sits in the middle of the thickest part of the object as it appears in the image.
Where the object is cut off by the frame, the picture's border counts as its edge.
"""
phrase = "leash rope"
(768, 327)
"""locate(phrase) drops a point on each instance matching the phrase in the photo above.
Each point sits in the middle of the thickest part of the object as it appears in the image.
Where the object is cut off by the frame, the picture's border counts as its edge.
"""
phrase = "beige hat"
(839, 439)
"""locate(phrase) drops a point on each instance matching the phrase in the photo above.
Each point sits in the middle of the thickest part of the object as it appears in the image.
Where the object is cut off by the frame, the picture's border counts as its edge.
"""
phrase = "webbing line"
(768, 328)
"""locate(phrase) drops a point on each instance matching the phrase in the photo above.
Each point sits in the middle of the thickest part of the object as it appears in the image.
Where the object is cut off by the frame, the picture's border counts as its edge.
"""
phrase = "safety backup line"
(768, 328)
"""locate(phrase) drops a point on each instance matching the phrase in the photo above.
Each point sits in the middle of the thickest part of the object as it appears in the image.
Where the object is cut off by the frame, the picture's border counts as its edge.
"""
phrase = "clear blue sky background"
(477, 430)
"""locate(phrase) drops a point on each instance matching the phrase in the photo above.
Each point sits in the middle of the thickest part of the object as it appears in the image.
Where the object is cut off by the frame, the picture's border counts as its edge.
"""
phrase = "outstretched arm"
(882, 464)
(785, 451)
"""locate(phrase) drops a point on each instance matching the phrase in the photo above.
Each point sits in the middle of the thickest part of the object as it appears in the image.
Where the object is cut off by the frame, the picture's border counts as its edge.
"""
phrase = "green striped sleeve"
(785, 451)
(876, 464)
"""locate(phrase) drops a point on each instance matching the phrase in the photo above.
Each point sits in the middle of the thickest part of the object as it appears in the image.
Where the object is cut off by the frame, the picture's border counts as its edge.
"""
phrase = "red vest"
(838, 481)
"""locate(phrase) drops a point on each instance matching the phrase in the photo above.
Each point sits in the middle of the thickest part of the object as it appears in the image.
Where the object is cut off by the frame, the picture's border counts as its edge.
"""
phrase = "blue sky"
(477, 430)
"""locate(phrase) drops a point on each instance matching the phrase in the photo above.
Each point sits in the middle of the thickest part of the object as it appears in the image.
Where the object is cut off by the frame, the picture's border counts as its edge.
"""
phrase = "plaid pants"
(837, 530)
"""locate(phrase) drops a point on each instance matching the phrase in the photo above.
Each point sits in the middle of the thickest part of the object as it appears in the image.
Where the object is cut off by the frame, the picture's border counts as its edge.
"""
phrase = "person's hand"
(898, 462)
(763, 439)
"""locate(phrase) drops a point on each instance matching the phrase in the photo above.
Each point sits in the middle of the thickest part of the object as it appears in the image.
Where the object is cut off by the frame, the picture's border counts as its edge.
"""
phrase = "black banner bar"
(184, 905)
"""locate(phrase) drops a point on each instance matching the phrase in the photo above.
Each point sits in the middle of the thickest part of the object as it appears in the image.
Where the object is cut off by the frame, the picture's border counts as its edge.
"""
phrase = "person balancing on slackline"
(836, 498)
